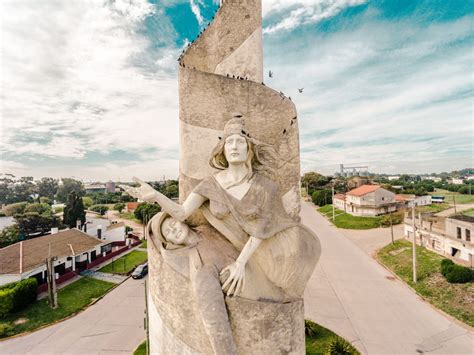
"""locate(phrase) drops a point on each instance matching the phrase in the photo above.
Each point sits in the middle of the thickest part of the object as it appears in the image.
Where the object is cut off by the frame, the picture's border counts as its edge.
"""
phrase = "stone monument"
(230, 262)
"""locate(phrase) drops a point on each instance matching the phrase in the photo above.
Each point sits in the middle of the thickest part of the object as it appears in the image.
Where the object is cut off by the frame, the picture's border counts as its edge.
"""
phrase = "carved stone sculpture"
(233, 282)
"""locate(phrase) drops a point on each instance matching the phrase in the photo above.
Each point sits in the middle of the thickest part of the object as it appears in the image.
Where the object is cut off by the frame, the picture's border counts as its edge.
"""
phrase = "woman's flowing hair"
(261, 158)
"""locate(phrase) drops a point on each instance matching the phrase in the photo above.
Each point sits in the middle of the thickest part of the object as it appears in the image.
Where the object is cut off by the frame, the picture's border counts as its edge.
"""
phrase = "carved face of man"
(174, 231)
(236, 149)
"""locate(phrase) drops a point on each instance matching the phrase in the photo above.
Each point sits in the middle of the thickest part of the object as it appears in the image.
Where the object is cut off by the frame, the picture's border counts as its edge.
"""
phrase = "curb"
(67, 317)
(450, 317)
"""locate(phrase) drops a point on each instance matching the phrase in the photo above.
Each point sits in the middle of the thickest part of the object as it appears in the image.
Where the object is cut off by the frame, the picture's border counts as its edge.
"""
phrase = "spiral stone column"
(221, 73)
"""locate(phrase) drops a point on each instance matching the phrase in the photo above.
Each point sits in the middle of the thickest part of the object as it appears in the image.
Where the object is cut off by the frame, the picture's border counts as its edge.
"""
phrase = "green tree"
(74, 211)
(39, 208)
(45, 200)
(322, 197)
(15, 208)
(9, 235)
(101, 209)
(145, 211)
(119, 206)
(24, 189)
(47, 187)
(69, 185)
(87, 201)
(314, 181)
(35, 223)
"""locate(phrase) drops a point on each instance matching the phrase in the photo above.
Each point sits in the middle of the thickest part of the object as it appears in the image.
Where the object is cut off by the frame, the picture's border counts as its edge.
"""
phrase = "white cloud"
(391, 94)
(197, 11)
(80, 74)
(291, 14)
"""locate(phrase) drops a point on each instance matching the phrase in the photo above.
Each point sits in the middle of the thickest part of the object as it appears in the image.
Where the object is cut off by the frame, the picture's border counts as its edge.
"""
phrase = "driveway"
(351, 294)
(114, 325)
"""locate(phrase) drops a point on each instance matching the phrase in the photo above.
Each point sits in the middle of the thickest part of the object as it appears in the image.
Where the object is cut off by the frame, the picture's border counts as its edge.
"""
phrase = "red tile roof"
(132, 205)
(363, 190)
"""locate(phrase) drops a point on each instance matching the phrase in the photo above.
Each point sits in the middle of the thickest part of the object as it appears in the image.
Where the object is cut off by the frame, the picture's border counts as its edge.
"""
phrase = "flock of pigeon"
(270, 73)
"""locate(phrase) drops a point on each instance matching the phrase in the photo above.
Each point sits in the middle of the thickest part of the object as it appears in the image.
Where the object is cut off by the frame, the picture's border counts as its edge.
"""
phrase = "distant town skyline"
(90, 89)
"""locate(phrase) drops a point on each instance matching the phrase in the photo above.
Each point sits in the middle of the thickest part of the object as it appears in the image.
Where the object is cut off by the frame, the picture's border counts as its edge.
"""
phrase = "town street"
(114, 325)
(350, 293)
(353, 295)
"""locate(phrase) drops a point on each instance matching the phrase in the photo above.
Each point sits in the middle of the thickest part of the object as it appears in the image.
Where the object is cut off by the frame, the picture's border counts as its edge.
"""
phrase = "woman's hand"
(144, 192)
(235, 281)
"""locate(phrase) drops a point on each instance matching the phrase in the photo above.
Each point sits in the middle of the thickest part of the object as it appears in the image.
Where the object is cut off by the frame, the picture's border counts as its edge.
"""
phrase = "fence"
(63, 278)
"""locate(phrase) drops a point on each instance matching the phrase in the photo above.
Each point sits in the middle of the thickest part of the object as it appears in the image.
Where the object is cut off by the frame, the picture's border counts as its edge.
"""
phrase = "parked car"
(140, 271)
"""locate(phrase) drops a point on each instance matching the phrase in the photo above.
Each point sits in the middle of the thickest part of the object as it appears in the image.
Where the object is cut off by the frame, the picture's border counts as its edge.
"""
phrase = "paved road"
(114, 325)
(357, 298)
(137, 227)
(371, 240)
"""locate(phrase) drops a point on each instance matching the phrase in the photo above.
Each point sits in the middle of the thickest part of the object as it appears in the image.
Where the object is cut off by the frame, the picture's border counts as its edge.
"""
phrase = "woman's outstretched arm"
(180, 212)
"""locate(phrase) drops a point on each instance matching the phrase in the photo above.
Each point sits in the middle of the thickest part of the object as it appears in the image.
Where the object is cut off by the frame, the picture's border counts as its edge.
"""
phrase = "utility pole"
(454, 201)
(332, 203)
(414, 240)
(52, 292)
(147, 327)
(391, 227)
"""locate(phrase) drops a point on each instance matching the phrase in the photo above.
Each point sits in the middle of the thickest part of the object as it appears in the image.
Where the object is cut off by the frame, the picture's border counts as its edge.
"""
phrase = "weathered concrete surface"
(232, 44)
(114, 325)
(353, 295)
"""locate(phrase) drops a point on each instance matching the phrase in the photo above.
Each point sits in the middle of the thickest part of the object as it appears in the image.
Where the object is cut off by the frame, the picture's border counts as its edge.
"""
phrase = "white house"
(72, 248)
(409, 200)
(339, 201)
(456, 181)
(369, 200)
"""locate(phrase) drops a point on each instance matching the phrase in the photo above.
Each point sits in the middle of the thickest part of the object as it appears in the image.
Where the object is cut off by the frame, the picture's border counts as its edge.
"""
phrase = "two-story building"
(368, 201)
(450, 237)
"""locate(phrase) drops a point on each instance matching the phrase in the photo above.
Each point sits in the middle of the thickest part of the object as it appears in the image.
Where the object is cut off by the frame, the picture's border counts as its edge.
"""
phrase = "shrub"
(446, 265)
(17, 295)
(25, 293)
(322, 197)
(397, 218)
(119, 206)
(5, 328)
(340, 346)
(459, 274)
(15, 208)
(100, 209)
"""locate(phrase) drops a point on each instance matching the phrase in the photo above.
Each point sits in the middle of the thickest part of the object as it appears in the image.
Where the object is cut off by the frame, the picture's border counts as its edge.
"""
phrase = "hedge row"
(456, 273)
(17, 295)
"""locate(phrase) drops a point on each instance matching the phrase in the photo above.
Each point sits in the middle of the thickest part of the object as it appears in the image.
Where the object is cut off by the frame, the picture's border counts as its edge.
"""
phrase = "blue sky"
(89, 88)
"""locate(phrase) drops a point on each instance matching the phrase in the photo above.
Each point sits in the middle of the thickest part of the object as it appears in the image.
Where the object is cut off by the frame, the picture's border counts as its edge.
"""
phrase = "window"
(468, 235)
(458, 229)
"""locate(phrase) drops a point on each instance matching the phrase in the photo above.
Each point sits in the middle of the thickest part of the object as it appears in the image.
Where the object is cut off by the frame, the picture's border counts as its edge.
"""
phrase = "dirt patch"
(20, 321)
(398, 251)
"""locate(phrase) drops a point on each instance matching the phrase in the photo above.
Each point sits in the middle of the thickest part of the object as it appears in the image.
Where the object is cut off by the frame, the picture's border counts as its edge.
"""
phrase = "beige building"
(450, 237)
(366, 201)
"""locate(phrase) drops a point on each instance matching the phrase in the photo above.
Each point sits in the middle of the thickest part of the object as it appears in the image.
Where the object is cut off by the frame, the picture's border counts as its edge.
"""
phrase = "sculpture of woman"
(245, 205)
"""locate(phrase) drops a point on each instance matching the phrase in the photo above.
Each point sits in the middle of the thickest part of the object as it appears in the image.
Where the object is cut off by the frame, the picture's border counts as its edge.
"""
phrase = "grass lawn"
(348, 221)
(460, 198)
(71, 299)
(454, 299)
(435, 208)
(141, 350)
(315, 345)
(144, 244)
(469, 212)
(126, 263)
(130, 216)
